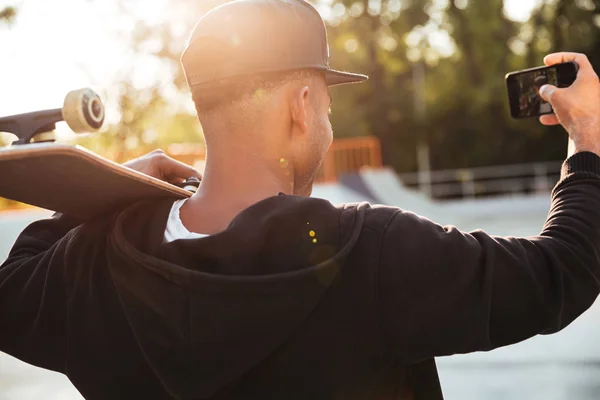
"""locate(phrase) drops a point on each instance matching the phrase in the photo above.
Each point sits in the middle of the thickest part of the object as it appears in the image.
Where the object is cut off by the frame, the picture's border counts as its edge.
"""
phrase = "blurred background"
(430, 132)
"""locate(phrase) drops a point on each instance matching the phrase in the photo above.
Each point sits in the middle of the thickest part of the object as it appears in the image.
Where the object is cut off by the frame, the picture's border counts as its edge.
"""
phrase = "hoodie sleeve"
(33, 294)
(442, 291)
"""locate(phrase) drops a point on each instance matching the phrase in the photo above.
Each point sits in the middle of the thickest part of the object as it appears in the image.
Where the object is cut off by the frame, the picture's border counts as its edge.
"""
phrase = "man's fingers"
(549, 119)
(175, 170)
(585, 67)
(557, 58)
(547, 91)
(160, 166)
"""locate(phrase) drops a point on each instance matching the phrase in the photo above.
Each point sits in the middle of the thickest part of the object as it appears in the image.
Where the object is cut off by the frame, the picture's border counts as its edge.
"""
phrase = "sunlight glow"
(519, 10)
(55, 47)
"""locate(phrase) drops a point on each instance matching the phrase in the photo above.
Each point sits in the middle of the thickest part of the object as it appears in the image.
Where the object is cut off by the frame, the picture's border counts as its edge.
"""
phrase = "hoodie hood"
(206, 311)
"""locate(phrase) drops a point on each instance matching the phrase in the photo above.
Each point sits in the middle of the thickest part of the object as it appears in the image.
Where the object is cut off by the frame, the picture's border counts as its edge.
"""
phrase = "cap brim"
(334, 77)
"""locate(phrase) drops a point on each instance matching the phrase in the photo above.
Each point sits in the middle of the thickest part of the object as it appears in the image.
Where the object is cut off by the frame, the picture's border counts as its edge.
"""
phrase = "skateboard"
(71, 179)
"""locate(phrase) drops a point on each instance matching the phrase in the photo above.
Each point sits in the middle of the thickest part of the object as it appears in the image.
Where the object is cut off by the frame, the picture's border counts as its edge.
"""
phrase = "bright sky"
(61, 45)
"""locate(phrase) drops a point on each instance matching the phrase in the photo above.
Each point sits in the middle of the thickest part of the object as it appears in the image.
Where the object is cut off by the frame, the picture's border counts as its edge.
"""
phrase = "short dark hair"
(227, 92)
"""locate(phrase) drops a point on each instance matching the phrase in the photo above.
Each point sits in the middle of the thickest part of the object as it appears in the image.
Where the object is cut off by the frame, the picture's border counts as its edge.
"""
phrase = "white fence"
(485, 181)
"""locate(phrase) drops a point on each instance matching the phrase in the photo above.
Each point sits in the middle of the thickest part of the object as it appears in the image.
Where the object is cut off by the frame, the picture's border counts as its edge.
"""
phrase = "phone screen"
(524, 87)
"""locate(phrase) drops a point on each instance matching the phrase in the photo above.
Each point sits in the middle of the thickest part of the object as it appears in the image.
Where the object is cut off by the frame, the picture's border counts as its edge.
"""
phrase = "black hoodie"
(296, 299)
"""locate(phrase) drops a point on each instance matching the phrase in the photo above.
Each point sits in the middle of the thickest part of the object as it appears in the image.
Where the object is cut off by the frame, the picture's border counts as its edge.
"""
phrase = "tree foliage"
(436, 75)
(159, 114)
(464, 49)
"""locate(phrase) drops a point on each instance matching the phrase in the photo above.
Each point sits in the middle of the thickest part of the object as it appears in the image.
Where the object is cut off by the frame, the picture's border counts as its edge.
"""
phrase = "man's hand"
(577, 107)
(158, 165)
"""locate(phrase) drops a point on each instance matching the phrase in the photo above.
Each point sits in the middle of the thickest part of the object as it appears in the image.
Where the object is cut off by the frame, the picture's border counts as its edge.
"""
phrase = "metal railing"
(485, 181)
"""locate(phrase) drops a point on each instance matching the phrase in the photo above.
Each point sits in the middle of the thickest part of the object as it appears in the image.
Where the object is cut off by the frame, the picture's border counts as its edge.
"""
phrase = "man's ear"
(300, 103)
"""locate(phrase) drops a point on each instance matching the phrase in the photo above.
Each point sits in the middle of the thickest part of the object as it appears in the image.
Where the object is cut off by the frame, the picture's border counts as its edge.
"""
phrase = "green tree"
(466, 120)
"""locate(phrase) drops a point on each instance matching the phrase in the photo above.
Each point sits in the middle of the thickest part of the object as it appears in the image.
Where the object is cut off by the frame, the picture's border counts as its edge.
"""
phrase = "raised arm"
(444, 292)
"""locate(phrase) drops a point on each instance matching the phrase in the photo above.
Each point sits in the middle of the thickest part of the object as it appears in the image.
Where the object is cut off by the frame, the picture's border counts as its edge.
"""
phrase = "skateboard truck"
(82, 111)
(191, 184)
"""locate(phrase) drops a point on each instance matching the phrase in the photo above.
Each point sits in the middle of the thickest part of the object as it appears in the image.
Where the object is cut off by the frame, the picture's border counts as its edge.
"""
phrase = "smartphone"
(523, 88)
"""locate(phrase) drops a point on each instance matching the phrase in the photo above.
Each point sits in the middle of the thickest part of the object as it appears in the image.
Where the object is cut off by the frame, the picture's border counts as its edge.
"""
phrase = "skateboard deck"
(74, 181)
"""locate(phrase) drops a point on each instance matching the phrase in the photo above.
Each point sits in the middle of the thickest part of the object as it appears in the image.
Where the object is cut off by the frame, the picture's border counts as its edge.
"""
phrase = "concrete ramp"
(338, 194)
(382, 186)
(500, 215)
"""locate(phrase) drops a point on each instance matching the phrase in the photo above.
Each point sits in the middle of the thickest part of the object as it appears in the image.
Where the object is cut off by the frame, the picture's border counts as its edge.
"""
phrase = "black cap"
(247, 37)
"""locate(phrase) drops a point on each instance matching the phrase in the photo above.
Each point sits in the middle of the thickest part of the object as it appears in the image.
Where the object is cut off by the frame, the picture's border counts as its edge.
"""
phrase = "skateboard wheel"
(191, 184)
(83, 111)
